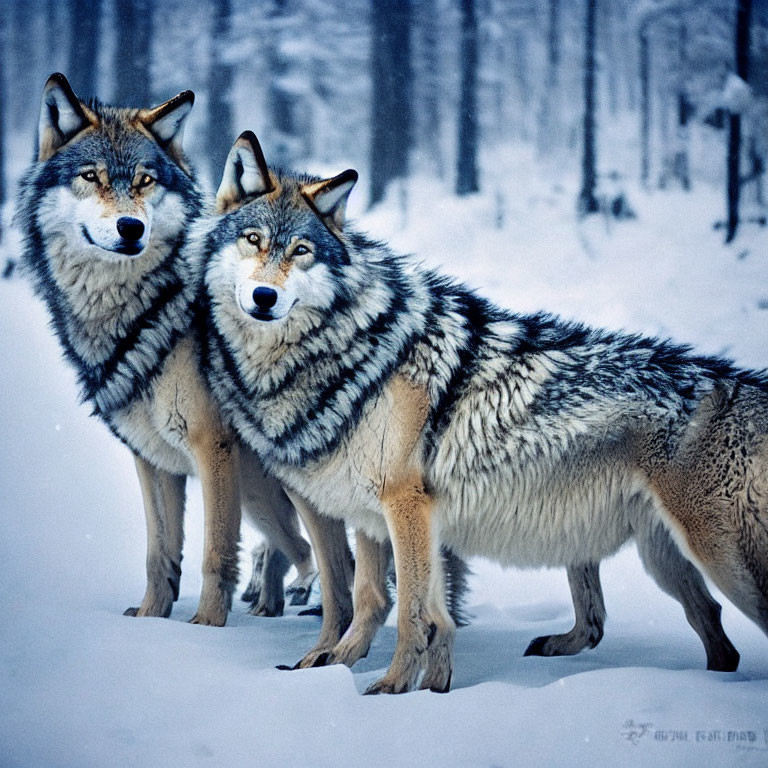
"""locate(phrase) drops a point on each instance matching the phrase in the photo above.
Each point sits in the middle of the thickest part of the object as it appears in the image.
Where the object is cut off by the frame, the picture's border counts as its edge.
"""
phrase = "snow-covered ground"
(82, 685)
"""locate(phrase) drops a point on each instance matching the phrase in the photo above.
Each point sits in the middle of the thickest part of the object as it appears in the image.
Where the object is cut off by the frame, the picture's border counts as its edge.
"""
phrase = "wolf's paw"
(209, 620)
(157, 603)
(439, 672)
(562, 645)
(725, 659)
(437, 680)
(317, 657)
(266, 608)
(215, 602)
(250, 595)
(349, 650)
(300, 588)
(388, 684)
(313, 610)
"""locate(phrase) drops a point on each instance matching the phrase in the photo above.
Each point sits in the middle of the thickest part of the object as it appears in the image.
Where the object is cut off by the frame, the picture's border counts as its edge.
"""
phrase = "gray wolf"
(105, 209)
(391, 396)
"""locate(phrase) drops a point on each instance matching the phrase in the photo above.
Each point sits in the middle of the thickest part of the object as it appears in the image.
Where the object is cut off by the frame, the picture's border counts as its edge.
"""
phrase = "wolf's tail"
(456, 573)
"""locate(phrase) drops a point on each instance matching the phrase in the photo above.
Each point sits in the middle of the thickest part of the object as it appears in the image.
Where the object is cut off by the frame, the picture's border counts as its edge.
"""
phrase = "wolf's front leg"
(329, 542)
(163, 496)
(216, 452)
(421, 620)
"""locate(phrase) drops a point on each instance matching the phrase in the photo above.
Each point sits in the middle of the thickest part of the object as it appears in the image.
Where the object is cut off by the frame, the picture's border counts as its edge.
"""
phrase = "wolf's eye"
(145, 181)
(89, 176)
(253, 238)
(299, 250)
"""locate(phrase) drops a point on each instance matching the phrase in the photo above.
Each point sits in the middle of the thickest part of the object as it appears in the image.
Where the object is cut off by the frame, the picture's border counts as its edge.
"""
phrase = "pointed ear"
(62, 116)
(329, 197)
(245, 173)
(166, 122)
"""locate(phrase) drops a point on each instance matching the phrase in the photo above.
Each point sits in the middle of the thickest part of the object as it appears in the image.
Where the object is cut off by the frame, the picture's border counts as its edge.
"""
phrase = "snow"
(82, 685)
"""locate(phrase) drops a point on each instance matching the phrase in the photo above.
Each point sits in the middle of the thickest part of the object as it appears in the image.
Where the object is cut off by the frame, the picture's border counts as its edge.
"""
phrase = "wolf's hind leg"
(329, 541)
(268, 508)
(163, 496)
(271, 600)
(588, 605)
(371, 601)
(253, 590)
(680, 579)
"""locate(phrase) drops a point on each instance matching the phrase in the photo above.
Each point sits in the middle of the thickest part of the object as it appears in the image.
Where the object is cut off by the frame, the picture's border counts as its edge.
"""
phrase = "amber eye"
(299, 250)
(89, 176)
(145, 181)
(253, 238)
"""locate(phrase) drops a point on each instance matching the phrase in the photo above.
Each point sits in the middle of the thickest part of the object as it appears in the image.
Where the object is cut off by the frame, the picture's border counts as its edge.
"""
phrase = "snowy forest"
(667, 92)
(603, 160)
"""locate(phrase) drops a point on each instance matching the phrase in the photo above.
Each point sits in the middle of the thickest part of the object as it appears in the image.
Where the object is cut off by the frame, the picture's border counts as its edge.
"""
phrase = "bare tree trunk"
(220, 79)
(391, 77)
(645, 107)
(681, 165)
(286, 144)
(133, 49)
(23, 50)
(53, 34)
(547, 134)
(587, 200)
(430, 105)
(610, 15)
(743, 18)
(466, 171)
(85, 41)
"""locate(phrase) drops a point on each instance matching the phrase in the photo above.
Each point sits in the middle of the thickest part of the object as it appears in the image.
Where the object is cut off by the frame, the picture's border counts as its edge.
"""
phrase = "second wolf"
(387, 394)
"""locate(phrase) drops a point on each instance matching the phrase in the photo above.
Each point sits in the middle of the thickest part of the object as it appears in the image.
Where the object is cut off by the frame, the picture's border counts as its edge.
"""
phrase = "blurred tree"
(391, 83)
(645, 103)
(430, 82)
(133, 52)
(547, 133)
(84, 46)
(287, 83)
(588, 202)
(610, 22)
(24, 51)
(466, 169)
(742, 38)
(221, 75)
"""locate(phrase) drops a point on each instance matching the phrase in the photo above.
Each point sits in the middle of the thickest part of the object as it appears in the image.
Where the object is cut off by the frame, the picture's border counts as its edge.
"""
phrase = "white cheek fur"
(312, 287)
(64, 213)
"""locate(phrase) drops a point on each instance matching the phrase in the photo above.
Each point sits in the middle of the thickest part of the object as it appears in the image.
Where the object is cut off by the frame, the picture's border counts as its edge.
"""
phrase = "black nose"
(130, 228)
(264, 298)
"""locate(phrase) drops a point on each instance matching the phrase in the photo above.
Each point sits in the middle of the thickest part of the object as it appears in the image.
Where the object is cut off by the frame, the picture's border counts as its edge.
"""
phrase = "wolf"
(105, 210)
(392, 396)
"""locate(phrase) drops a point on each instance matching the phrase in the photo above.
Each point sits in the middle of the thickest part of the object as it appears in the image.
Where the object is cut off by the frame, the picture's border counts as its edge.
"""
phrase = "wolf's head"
(279, 246)
(109, 179)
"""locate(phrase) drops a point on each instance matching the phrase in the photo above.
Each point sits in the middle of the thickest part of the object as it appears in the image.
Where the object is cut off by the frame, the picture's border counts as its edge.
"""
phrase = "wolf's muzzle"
(264, 298)
(131, 231)
(130, 228)
(258, 300)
